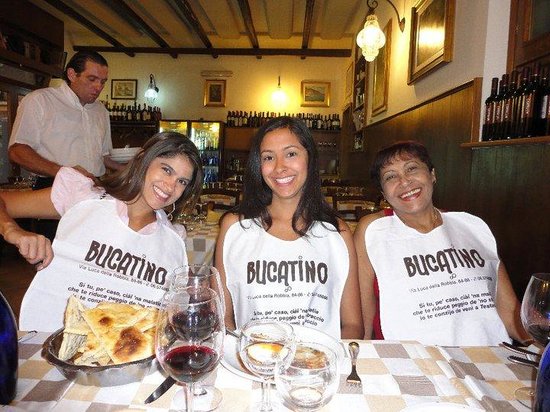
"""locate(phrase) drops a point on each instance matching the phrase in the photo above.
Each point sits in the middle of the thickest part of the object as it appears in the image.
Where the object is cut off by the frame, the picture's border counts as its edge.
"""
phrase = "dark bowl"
(109, 375)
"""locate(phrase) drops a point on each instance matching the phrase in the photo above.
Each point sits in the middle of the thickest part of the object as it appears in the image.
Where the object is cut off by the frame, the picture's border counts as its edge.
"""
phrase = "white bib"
(438, 287)
(299, 281)
(99, 258)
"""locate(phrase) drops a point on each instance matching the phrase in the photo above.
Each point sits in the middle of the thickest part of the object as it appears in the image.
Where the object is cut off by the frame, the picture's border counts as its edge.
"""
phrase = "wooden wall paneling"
(507, 186)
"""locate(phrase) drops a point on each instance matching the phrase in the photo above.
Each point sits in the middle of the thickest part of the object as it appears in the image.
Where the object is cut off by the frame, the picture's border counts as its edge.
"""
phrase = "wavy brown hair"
(127, 184)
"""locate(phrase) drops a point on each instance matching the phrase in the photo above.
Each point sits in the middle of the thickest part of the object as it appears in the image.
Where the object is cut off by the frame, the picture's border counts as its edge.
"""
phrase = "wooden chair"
(223, 199)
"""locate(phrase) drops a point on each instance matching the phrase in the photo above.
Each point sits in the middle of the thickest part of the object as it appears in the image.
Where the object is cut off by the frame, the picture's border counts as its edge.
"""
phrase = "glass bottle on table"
(8, 353)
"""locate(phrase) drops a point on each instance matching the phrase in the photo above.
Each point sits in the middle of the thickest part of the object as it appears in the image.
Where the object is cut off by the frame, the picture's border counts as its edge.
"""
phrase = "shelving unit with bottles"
(31, 44)
(237, 146)
(359, 105)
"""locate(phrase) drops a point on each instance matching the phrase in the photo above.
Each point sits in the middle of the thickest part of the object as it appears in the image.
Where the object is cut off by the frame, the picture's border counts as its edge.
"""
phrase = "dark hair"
(399, 149)
(127, 184)
(78, 62)
(257, 195)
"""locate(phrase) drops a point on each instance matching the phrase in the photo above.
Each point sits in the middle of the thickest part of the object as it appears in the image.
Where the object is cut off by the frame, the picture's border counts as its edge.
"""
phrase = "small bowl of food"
(109, 345)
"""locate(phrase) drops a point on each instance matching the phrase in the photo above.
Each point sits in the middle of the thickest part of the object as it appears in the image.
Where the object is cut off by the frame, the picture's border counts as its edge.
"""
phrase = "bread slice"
(76, 329)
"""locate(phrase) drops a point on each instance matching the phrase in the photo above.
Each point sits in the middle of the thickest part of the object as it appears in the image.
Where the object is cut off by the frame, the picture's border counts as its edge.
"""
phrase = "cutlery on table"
(163, 387)
(353, 378)
(519, 349)
(523, 361)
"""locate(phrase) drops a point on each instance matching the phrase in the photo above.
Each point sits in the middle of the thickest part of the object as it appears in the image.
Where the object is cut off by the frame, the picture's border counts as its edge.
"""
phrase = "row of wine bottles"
(518, 106)
(133, 113)
(238, 118)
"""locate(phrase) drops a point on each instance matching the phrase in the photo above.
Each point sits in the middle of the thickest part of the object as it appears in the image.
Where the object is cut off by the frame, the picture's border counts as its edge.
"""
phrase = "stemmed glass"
(535, 317)
(189, 337)
(207, 397)
(307, 378)
(261, 345)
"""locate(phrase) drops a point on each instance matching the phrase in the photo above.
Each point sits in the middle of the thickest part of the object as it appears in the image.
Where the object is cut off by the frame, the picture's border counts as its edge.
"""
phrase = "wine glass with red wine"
(207, 397)
(535, 317)
(189, 338)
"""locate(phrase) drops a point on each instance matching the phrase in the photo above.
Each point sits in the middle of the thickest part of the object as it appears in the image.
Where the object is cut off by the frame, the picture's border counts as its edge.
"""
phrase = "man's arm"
(28, 159)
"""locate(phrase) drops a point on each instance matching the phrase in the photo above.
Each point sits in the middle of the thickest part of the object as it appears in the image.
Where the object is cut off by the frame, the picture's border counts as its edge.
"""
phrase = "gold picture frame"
(315, 93)
(214, 93)
(381, 75)
(432, 34)
(123, 89)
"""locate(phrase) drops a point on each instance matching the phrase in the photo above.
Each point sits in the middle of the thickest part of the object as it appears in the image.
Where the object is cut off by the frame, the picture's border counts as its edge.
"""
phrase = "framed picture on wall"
(214, 93)
(315, 94)
(432, 35)
(381, 71)
(124, 89)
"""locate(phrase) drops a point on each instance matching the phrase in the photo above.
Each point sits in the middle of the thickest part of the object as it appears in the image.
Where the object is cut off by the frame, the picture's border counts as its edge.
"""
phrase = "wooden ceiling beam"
(308, 23)
(126, 13)
(63, 8)
(218, 52)
(249, 24)
(185, 9)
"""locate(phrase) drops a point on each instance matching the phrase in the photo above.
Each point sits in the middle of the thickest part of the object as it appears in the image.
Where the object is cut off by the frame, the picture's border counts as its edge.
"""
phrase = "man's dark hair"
(78, 62)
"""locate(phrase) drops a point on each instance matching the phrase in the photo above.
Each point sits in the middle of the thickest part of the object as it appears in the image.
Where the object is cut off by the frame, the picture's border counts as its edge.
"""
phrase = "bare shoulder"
(366, 220)
(227, 220)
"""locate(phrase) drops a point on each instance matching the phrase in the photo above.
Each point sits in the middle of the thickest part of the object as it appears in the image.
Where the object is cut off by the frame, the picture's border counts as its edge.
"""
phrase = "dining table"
(395, 375)
(200, 241)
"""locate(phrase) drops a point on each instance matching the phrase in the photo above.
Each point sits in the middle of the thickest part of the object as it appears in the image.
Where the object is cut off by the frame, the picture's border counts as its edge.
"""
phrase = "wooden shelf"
(510, 142)
(16, 59)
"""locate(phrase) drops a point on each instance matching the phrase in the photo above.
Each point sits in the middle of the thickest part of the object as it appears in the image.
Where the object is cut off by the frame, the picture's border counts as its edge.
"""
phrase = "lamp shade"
(152, 90)
(371, 38)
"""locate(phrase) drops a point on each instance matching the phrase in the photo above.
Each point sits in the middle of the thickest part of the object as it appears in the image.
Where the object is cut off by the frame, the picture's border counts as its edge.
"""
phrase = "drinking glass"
(189, 337)
(535, 317)
(307, 378)
(207, 397)
(261, 345)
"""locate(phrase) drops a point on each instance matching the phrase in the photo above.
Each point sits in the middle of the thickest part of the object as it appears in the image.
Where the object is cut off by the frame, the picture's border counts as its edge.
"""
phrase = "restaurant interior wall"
(249, 88)
(480, 46)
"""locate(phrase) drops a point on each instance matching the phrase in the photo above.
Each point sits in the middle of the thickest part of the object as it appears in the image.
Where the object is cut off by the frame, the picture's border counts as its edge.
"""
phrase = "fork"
(353, 378)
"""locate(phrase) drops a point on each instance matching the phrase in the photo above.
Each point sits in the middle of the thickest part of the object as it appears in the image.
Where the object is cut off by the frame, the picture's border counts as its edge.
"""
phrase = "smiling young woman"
(283, 253)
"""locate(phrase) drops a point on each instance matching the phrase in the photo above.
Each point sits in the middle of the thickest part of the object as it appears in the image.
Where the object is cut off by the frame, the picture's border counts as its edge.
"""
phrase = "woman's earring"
(170, 215)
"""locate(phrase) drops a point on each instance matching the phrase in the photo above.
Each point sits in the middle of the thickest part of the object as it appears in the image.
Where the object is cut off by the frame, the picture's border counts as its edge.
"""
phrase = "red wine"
(195, 325)
(190, 363)
(541, 333)
(8, 353)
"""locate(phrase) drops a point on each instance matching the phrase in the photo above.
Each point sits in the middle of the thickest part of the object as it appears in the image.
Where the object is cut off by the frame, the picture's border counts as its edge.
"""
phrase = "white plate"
(440, 407)
(232, 362)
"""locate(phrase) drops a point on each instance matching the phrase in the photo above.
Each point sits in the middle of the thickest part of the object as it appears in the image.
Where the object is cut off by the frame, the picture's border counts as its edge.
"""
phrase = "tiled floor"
(15, 277)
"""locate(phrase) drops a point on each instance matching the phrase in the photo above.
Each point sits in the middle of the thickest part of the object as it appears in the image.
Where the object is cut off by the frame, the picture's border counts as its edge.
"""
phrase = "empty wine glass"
(307, 378)
(189, 336)
(207, 397)
(535, 317)
(261, 345)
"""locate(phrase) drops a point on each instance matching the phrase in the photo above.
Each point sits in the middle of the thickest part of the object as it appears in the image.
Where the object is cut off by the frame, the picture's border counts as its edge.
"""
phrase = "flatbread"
(109, 333)
(76, 329)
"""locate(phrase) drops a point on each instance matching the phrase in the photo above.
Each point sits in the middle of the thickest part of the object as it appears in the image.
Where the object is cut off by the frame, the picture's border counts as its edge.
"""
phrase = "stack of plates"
(124, 154)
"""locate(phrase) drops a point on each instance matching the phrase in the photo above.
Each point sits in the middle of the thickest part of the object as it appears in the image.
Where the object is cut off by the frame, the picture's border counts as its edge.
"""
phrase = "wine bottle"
(522, 104)
(487, 132)
(542, 390)
(545, 103)
(499, 108)
(8, 353)
(532, 104)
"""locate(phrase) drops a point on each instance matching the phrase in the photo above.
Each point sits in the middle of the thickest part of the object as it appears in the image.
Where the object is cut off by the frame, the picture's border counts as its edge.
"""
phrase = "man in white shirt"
(65, 125)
